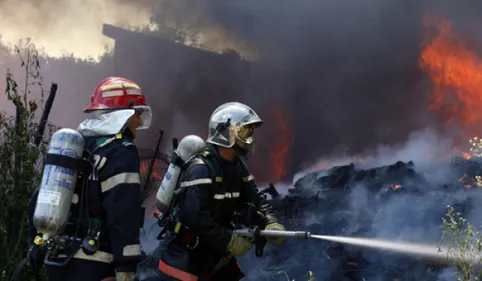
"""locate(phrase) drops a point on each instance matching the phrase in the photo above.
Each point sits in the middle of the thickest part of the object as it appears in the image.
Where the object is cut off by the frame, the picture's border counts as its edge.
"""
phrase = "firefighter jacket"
(114, 198)
(205, 208)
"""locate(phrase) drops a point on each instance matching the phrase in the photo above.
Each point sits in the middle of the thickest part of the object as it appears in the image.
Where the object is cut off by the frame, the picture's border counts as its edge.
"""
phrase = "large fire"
(456, 72)
(281, 145)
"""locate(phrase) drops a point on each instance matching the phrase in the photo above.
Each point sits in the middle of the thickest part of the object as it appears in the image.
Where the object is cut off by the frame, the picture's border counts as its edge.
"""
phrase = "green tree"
(463, 245)
(19, 159)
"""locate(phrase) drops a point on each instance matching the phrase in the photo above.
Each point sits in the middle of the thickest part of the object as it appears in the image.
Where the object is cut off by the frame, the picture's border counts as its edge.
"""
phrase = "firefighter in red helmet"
(116, 93)
(113, 212)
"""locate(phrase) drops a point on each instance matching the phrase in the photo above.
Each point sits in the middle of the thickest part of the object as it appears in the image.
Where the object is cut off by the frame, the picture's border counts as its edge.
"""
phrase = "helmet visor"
(245, 133)
(146, 116)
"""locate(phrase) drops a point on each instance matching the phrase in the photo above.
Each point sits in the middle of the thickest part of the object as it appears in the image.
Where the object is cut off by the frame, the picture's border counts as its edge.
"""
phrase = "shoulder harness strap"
(214, 170)
(246, 174)
(82, 165)
(101, 142)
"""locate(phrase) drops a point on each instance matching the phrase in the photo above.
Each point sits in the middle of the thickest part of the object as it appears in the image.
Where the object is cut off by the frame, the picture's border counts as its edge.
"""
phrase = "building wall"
(184, 85)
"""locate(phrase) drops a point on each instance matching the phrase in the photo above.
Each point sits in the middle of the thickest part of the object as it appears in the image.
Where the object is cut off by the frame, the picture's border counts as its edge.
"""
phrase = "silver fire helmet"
(230, 122)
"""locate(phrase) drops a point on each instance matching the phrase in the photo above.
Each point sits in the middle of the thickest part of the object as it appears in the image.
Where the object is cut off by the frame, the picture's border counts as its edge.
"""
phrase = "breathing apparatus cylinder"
(58, 184)
(188, 147)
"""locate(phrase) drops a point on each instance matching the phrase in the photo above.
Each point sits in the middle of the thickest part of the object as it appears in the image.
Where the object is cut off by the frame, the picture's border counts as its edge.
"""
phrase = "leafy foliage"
(463, 245)
(19, 159)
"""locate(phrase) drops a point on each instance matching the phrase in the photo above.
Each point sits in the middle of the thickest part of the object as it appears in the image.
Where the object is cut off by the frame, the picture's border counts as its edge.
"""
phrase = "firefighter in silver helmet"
(199, 237)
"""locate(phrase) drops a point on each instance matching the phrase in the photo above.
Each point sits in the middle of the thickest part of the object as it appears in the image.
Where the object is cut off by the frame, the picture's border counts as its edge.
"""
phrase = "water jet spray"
(430, 251)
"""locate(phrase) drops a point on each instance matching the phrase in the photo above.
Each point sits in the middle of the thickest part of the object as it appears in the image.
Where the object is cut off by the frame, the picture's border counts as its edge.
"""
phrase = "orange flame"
(155, 175)
(282, 141)
(456, 72)
(469, 181)
(396, 186)
(464, 154)
(464, 177)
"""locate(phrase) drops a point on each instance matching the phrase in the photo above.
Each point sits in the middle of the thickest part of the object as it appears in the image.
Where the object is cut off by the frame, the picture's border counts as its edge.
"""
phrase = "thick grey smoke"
(374, 211)
(347, 72)
(366, 210)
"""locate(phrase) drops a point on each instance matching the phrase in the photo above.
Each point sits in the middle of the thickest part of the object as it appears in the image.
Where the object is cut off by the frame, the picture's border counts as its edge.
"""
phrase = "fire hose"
(255, 231)
(259, 237)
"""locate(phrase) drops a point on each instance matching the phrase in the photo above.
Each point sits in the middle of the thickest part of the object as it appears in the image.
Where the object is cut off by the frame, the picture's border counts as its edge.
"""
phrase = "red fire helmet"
(116, 93)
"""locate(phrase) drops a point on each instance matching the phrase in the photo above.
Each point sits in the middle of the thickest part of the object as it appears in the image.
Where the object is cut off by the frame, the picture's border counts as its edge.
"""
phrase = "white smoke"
(423, 147)
(74, 27)
(68, 27)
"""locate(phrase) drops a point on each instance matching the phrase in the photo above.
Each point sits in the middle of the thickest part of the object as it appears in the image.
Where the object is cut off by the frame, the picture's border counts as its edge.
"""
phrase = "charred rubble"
(397, 201)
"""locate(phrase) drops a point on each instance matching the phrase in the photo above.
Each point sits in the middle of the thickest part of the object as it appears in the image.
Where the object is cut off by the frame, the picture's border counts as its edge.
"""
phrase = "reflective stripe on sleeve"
(248, 178)
(226, 195)
(131, 250)
(126, 178)
(196, 182)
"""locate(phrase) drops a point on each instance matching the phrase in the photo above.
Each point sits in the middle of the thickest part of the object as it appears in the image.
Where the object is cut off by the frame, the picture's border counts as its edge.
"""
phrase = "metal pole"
(153, 161)
(45, 114)
(274, 233)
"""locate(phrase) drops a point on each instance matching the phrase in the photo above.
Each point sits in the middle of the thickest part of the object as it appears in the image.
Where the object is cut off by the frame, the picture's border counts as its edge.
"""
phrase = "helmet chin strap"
(241, 151)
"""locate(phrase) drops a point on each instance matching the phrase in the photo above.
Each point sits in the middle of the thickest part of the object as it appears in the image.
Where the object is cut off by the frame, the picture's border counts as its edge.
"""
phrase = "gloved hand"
(124, 276)
(275, 226)
(239, 246)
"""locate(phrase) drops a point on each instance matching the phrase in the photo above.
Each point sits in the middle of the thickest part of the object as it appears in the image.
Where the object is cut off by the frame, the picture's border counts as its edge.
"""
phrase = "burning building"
(184, 85)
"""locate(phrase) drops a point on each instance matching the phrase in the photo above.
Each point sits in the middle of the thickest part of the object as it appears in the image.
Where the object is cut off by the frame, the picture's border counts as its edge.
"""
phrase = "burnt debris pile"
(395, 202)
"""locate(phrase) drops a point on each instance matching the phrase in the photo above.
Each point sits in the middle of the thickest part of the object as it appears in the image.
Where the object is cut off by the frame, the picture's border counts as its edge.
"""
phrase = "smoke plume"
(373, 210)
(347, 72)
(69, 27)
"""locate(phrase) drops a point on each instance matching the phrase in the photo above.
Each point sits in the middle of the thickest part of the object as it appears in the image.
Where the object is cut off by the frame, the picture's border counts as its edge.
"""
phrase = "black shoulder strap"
(202, 158)
(214, 170)
(245, 173)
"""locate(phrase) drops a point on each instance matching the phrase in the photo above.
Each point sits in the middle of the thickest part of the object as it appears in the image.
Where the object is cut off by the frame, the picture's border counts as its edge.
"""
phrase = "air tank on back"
(58, 184)
(189, 146)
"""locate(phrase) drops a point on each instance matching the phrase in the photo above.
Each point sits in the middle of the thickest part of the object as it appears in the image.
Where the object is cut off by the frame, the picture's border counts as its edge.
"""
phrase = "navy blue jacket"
(119, 192)
(207, 209)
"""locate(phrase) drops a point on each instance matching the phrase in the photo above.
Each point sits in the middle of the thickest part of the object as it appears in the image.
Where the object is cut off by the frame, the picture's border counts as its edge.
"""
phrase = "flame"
(462, 153)
(456, 72)
(464, 177)
(278, 155)
(469, 181)
(466, 155)
(396, 186)
(156, 174)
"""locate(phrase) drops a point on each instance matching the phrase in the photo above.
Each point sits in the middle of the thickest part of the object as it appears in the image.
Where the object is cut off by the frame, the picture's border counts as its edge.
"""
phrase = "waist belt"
(99, 256)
